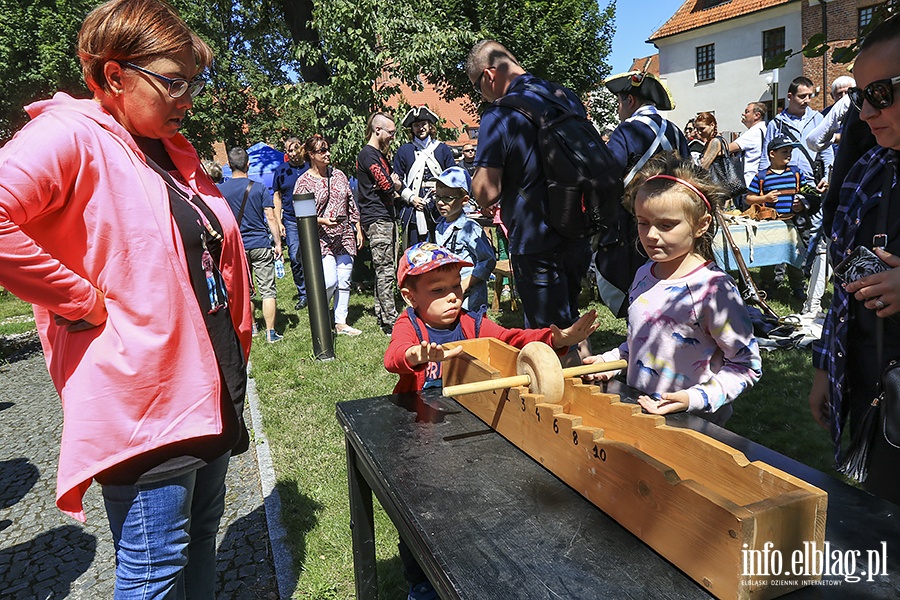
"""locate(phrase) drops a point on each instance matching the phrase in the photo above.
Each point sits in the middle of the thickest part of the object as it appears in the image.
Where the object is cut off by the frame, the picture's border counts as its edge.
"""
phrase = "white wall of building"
(738, 58)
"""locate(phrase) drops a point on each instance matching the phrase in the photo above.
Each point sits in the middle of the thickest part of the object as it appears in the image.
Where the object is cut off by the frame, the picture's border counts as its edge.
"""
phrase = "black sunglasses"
(880, 94)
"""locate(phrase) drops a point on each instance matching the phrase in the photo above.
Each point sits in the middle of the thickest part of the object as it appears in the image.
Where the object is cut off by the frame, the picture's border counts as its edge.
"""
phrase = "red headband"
(686, 184)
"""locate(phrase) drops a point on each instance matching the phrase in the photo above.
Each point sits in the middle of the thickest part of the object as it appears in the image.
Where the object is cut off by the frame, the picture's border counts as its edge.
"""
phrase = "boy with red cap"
(430, 283)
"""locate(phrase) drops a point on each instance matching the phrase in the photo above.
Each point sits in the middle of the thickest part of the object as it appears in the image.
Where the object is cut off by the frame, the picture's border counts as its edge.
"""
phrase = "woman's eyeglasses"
(325, 150)
(880, 94)
(177, 87)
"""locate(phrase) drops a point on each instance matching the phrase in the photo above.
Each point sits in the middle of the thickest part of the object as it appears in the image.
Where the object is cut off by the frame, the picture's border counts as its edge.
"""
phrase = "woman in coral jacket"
(135, 267)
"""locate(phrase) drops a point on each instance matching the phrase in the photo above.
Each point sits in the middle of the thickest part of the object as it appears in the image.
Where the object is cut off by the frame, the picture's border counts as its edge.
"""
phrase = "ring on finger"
(879, 303)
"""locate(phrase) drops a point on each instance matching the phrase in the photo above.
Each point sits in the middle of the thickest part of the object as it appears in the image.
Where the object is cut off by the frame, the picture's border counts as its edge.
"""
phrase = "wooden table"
(761, 243)
(486, 521)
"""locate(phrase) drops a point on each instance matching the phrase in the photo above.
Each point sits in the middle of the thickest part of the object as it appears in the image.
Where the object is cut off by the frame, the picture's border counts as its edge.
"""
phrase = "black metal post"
(311, 255)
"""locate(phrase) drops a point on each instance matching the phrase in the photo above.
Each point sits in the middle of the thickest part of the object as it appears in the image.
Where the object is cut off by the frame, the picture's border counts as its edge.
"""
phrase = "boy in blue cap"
(462, 236)
(779, 187)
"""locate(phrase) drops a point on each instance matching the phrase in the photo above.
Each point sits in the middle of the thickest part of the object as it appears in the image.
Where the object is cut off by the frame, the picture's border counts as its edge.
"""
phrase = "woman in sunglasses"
(847, 378)
(135, 267)
(340, 234)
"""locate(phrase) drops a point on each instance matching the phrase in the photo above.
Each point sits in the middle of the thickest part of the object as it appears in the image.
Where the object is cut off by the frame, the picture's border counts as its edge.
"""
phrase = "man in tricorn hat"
(641, 133)
(417, 162)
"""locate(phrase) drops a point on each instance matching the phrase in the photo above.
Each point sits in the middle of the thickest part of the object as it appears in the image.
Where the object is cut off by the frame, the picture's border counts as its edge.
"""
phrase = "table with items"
(761, 243)
(484, 520)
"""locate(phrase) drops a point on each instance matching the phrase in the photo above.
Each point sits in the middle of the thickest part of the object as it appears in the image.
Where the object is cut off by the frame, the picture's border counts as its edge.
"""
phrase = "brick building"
(841, 22)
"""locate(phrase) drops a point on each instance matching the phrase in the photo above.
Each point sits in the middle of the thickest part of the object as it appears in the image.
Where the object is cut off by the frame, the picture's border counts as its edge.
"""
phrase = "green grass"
(15, 315)
(298, 396)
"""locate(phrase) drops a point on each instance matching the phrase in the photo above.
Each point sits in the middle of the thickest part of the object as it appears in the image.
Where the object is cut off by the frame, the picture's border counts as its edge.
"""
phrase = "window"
(865, 16)
(773, 44)
(473, 133)
(706, 62)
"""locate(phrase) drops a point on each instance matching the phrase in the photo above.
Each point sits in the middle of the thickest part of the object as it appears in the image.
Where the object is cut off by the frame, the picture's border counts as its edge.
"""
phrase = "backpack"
(583, 182)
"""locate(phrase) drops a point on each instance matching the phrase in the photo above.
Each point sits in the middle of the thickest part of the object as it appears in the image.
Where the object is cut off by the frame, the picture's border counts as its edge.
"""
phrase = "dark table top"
(499, 525)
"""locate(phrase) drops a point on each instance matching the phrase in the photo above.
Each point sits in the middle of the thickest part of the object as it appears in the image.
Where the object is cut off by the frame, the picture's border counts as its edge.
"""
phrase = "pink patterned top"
(341, 238)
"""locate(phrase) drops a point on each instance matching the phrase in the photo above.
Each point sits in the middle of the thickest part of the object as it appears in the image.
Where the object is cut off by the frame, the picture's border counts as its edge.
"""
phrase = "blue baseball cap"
(456, 177)
(424, 257)
(781, 141)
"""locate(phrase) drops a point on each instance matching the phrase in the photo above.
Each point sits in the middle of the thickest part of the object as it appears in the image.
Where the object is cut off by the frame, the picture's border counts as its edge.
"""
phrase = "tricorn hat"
(644, 84)
(419, 113)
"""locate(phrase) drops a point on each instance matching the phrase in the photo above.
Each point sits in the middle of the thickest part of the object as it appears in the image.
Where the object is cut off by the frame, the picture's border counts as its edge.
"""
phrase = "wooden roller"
(539, 368)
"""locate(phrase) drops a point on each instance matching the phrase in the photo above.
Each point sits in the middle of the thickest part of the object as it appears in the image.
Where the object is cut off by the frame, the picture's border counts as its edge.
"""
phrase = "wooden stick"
(517, 380)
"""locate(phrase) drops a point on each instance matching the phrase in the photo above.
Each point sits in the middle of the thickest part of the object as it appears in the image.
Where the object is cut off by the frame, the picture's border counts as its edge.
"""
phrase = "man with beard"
(417, 162)
(377, 188)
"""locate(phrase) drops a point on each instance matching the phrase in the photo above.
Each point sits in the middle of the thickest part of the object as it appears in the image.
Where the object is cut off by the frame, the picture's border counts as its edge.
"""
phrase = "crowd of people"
(145, 304)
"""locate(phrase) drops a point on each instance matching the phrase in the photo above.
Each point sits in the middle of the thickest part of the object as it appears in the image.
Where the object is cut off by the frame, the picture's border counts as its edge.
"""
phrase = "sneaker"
(387, 329)
(505, 294)
(301, 304)
(255, 329)
(272, 336)
(422, 591)
(347, 330)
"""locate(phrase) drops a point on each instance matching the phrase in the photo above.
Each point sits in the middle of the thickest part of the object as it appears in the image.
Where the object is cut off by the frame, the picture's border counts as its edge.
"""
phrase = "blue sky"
(636, 20)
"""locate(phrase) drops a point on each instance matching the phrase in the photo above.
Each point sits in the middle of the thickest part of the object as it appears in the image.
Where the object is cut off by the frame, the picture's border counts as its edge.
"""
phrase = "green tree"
(37, 55)
(364, 47)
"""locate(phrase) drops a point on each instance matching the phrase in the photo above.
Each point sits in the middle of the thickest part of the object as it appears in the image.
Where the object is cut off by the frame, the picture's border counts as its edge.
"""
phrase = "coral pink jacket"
(79, 209)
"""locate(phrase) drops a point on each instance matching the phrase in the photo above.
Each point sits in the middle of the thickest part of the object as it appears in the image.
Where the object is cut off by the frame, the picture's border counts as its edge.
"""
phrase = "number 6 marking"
(555, 425)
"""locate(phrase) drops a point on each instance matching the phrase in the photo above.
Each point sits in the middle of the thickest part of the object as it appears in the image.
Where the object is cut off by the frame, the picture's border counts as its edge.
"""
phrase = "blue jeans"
(292, 236)
(156, 527)
(549, 283)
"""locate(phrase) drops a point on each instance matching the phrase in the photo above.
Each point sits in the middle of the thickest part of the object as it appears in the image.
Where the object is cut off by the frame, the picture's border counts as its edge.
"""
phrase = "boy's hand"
(663, 404)
(578, 331)
(771, 197)
(426, 352)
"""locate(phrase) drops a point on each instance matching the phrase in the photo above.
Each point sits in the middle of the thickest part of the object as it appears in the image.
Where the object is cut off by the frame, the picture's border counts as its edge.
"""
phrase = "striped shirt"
(787, 183)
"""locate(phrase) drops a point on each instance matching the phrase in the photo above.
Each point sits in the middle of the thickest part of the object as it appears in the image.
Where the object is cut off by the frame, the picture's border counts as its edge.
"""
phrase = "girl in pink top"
(690, 343)
(135, 267)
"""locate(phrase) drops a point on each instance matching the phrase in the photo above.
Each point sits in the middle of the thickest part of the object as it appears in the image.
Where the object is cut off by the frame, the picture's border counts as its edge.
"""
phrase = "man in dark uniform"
(417, 162)
(641, 133)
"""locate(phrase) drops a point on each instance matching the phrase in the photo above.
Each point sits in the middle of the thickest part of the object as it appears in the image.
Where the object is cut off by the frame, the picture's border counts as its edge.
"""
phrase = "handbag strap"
(879, 240)
(244, 201)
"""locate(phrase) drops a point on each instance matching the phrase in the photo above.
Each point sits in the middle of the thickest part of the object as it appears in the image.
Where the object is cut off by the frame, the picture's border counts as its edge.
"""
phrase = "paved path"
(47, 555)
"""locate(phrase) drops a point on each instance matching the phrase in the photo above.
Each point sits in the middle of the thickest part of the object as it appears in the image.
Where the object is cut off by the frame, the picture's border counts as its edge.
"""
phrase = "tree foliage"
(294, 67)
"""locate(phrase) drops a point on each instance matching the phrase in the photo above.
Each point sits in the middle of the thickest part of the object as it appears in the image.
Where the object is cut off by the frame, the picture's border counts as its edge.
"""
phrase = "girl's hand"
(819, 401)
(578, 331)
(592, 377)
(880, 292)
(359, 237)
(663, 404)
(426, 352)
(326, 221)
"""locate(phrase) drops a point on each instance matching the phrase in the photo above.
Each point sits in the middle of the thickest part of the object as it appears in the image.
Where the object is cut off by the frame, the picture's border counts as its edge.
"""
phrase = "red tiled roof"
(453, 113)
(647, 64)
(693, 15)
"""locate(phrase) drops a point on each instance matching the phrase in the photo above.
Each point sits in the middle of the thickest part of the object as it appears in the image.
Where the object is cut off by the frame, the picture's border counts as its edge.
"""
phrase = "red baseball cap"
(424, 257)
